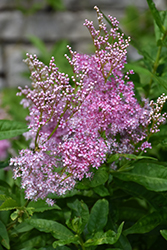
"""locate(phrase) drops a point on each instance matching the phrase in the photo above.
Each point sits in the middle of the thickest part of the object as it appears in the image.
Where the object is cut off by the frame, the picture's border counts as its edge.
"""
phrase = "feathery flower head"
(75, 128)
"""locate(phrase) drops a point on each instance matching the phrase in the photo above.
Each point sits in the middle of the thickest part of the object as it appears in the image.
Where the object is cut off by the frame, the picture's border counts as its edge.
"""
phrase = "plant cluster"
(74, 125)
(94, 173)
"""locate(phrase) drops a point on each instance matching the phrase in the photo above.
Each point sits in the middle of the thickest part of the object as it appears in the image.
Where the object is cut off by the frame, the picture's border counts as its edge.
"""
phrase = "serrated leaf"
(9, 129)
(4, 236)
(48, 226)
(109, 237)
(152, 175)
(148, 222)
(98, 216)
(9, 204)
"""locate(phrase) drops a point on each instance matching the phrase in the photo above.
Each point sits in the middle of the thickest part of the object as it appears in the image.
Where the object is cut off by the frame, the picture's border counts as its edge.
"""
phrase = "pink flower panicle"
(75, 128)
(156, 118)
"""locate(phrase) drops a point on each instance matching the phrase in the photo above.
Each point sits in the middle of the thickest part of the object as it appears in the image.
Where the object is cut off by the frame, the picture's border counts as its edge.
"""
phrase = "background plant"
(91, 215)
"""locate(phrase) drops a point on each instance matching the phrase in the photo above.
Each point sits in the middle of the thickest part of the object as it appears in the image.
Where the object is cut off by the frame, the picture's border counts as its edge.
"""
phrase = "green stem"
(27, 202)
(81, 243)
(155, 66)
(156, 63)
(54, 130)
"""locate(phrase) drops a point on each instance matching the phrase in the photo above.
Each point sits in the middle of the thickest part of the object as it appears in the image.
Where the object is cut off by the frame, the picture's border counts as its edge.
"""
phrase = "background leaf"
(109, 237)
(150, 174)
(156, 15)
(164, 233)
(4, 236)
(58, 230)
(41, 206)
(148, 222)
(9, 129)
(98, 216)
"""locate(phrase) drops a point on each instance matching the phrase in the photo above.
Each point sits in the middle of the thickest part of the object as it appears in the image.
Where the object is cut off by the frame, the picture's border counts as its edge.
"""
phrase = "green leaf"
(21, 228)
(136, 157)
(81, 211)
(56, 5)
(4, 184)
(4, 164)
(146, 72)
(9, 204)
(75, 224)
(155, 200)
(156, 15)
(152, 175)
(128, 213)
(113, 249)
(164, 233)
(74, 240)
(109, 237)
(3, 197)
(59, 248)
(31, 242)
(100, 177)
(160, 37)
(101, 190)
(98, 216)
(48, 226)
(4, 236)
(9, 129)
(10, 100)
(14, 215)
(122, 242)
(38, 43)
(113, 158)
(41, 206)
(1, 247)
(148, 222)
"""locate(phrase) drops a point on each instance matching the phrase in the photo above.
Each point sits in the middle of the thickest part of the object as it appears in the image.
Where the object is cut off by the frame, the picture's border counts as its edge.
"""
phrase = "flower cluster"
(74, 126)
